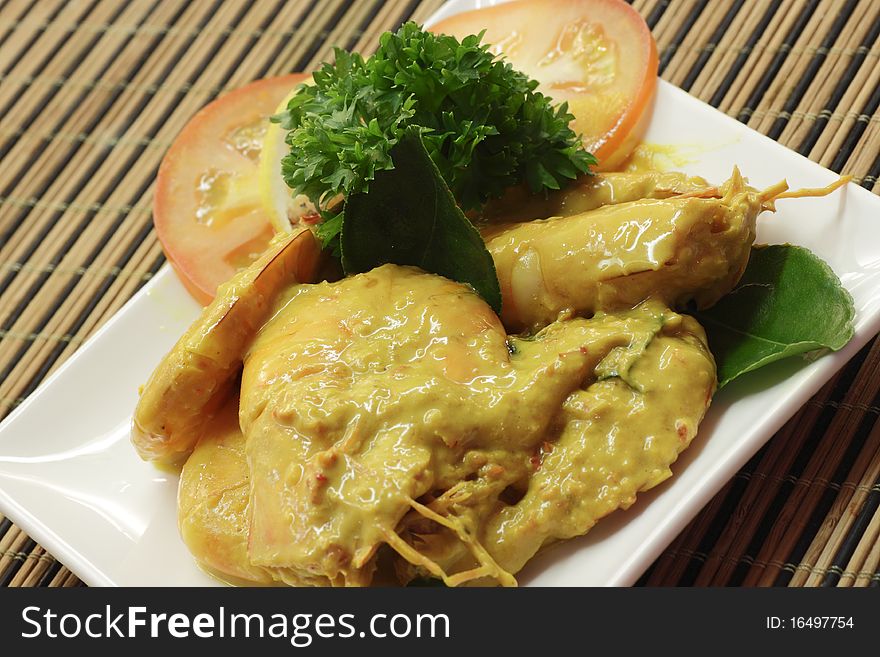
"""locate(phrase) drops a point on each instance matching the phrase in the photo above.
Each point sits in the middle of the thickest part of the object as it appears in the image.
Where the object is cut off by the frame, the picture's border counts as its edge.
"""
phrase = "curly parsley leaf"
(483, 123)
(409, 217)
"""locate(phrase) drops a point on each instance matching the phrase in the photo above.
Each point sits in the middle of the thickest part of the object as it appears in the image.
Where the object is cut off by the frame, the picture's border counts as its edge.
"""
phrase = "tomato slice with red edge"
(207, 207)
(599, 55)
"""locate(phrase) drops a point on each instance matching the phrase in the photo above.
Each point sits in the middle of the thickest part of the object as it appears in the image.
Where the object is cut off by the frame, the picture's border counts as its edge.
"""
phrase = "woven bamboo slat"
(92, 93)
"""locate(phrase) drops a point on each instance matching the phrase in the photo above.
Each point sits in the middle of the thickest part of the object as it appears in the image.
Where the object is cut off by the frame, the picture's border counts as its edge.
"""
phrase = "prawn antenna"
(487, 565)
(780, 191)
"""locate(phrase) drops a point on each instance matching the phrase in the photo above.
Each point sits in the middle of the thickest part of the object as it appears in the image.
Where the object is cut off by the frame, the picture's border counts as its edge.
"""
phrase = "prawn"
(392, 409)
(692, 247)
(588, 193)
(615, 435)
(194, 379)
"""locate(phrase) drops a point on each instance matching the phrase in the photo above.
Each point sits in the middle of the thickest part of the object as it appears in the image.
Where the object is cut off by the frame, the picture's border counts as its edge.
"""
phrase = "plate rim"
(709, 482)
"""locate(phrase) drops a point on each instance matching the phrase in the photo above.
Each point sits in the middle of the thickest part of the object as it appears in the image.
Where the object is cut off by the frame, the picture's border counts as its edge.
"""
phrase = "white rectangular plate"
(70, 478)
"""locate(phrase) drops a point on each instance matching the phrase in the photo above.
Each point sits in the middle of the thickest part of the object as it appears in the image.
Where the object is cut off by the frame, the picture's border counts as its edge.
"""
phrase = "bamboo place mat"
(92, 92)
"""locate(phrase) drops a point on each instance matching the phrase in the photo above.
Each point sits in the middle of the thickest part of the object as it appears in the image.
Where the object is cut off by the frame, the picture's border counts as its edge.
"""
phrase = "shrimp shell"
(193, 380)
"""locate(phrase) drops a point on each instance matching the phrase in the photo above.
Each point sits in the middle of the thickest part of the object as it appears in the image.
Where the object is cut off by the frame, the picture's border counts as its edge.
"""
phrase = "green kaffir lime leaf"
(788, 302)
(409, 217)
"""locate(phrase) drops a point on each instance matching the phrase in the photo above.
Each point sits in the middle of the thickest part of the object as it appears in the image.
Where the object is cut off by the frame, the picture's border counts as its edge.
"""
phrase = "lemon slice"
(282, 207)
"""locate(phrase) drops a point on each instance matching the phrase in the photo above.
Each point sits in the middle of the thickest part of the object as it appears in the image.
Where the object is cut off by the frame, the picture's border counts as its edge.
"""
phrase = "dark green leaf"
(409, 217)
(619, 361)
(788, 302)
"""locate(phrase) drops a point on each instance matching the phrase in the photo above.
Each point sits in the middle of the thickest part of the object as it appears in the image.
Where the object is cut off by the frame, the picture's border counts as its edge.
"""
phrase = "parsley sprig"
(483, 123)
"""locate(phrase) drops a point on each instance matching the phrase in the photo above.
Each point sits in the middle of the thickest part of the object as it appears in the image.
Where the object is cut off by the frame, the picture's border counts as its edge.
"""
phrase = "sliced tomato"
(207, 207)
(599, 55)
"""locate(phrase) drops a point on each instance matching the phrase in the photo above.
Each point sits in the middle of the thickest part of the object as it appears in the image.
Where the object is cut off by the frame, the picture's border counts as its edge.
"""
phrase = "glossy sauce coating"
(212, 501)
(391, 410)
(361, 397)
(689, 247)
(588, 193)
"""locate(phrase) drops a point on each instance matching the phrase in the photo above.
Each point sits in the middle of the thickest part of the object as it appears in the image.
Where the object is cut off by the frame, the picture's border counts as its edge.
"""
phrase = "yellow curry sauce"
(390, 408)
(691, 245)
(392, 412)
